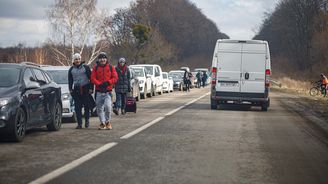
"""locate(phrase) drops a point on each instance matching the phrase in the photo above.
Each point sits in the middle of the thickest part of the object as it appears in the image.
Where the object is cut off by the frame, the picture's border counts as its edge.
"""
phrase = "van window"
(157, 73)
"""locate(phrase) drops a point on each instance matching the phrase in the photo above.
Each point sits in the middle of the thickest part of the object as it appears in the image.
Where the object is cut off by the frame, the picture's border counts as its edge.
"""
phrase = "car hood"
(8, 91)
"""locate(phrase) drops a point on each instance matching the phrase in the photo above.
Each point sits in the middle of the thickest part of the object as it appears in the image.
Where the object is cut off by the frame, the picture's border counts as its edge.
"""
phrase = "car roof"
(56, 67)
(20, 65)
(175, 71)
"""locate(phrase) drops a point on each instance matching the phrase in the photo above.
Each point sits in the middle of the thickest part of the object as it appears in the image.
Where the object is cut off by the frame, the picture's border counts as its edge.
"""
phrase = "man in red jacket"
(104, 76)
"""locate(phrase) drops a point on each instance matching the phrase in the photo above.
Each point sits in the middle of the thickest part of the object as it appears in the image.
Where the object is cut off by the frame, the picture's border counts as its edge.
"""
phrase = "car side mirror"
(148, 75)
(32, 85)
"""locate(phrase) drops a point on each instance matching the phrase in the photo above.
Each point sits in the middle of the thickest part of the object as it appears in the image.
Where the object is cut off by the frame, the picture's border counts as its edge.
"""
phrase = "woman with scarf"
(122, 87)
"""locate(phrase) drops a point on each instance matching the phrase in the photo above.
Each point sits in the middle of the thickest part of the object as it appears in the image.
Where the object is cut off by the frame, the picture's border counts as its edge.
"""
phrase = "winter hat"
(121, 60)
(76, 56)
(102, 55)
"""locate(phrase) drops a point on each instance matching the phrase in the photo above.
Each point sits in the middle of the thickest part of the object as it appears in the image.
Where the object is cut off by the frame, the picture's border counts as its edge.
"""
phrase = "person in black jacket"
(81, 88)
(122, 87)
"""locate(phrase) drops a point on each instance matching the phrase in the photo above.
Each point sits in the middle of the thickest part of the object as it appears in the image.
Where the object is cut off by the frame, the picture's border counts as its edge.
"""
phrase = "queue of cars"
(34, 96)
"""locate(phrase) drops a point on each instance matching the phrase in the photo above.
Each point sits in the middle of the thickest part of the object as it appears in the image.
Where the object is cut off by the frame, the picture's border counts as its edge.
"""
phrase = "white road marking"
(72, 164)
(134, 132)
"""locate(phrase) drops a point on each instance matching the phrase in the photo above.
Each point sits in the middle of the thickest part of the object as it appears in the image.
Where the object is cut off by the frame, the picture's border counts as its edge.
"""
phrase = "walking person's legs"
(123, 101)
(100, 101)
(78, 110)
(108, 110)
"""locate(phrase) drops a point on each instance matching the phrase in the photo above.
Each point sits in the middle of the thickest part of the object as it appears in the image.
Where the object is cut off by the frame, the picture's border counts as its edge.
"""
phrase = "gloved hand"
(104, 85)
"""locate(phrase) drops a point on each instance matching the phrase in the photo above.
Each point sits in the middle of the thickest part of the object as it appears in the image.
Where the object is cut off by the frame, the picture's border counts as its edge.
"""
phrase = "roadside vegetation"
(171, 33)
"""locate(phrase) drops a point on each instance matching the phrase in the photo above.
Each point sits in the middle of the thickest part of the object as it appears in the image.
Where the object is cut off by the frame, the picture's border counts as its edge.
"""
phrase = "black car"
(28, 98)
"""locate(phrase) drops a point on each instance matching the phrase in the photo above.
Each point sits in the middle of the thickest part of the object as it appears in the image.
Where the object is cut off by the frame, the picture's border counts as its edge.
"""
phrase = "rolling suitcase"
(130, 104)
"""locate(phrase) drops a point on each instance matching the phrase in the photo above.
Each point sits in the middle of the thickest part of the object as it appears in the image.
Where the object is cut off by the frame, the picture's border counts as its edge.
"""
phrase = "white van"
(241, 72)
(155, 72)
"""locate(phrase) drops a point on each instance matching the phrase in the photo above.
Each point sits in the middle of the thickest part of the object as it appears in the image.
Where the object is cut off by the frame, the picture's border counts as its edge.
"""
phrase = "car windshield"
(149, 70)
(176, 75)
(59, 76)
(138, 72)
(9, 76)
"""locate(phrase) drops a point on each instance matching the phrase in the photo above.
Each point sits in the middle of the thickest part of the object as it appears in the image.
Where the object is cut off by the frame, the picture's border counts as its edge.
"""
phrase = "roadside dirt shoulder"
(313, 109)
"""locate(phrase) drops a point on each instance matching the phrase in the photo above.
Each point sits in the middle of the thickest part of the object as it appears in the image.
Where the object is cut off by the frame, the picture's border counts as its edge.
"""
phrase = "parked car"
(155, 71)
(134, 82)
(60, 75)
(144, 81)
(241, 72)
(177, 76)
(167, 83)
(29, 98)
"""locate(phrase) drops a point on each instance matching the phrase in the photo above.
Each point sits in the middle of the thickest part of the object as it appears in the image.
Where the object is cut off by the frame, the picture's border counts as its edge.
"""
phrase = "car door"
(33, 98)
(48, 94)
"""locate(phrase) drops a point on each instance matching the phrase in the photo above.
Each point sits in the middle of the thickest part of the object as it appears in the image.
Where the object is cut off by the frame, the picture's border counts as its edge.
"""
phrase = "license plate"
(228, 84)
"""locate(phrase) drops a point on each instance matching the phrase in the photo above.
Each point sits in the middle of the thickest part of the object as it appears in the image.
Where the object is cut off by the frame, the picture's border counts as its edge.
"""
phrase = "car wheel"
(17, 133)
(56, 121)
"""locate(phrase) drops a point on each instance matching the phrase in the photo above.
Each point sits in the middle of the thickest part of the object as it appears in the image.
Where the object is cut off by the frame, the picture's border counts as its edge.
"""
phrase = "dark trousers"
(79, 103)
(120, 100)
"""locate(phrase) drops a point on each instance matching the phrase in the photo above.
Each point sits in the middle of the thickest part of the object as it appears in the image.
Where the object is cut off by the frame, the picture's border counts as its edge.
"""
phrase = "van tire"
(214, 104)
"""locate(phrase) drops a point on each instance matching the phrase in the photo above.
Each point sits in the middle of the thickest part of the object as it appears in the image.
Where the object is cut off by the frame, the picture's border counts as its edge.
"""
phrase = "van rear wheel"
(214, 104)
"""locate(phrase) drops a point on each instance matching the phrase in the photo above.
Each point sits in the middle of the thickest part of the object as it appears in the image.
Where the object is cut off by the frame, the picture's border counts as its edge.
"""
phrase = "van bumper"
(240, 98)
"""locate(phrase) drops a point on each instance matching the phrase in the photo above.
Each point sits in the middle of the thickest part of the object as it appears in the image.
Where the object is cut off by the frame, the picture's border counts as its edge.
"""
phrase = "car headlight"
(141, 81)
(66, 96)
(177, 82)
(4, 101)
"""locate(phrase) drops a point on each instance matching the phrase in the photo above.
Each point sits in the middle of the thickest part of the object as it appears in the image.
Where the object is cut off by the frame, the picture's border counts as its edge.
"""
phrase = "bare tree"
(76, 24)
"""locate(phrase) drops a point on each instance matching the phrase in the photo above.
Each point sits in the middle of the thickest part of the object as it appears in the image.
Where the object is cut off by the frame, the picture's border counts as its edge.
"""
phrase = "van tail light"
(214, 70)
(267, 78)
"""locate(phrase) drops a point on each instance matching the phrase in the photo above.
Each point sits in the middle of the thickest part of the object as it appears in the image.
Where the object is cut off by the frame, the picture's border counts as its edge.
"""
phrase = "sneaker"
(86, 124)
(102, 126)
(115, 111)
(79, 127)
(109, 126)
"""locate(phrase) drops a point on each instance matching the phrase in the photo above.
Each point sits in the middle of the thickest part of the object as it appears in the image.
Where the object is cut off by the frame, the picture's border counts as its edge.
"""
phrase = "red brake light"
(214, 76)
(267, 72)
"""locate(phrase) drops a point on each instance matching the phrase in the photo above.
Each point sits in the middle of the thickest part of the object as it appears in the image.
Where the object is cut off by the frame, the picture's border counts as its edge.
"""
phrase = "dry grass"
(295, 86)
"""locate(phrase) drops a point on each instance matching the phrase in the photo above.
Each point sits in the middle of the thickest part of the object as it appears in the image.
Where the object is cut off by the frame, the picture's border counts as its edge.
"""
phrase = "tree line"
(297, 32)
(148, 31)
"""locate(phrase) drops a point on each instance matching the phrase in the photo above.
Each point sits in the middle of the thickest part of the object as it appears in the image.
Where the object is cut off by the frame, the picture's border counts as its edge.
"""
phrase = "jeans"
(104, 106)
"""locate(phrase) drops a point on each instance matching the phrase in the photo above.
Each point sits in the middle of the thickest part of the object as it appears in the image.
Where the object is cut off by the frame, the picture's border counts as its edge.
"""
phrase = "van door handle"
(246, 75)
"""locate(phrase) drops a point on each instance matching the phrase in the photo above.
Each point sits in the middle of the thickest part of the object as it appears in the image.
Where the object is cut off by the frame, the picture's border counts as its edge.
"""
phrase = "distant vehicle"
(241, 73)
(144, 81)
(29, 98)
(208, 81)
(167, 83)
(177, 76)
(134, 82)
(60, 76)
(155, 72)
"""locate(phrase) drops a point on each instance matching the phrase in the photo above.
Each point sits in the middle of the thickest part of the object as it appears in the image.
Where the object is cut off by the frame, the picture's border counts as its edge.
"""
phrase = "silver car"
(60, 76)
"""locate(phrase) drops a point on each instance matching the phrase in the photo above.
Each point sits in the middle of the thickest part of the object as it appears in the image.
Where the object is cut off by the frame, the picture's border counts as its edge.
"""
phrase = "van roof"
(242, 41)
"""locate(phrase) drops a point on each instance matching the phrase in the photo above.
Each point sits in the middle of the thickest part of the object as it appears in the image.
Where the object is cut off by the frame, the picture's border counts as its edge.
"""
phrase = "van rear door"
(228, 69)
(253, 69)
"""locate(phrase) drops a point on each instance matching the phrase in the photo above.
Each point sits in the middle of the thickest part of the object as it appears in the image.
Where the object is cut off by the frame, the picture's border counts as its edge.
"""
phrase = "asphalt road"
(184, 141)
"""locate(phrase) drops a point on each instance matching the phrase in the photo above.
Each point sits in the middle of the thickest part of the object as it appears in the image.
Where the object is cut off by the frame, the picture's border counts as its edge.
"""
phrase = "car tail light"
(214, 70)
(267, 78)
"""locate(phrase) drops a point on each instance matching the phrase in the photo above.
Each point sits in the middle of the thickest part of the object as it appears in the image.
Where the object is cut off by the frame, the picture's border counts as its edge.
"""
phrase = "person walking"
(204, 79)
(199, 79)
(104, 76)
(123, 85)
(81, 88)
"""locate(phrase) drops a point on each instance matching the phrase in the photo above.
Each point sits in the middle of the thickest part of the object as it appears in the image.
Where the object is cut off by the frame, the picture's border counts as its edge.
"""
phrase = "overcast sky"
(24, 21)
